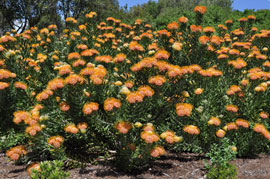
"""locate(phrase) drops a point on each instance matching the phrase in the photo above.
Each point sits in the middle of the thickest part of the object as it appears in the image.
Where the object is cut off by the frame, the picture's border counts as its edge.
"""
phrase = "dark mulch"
(185, 165)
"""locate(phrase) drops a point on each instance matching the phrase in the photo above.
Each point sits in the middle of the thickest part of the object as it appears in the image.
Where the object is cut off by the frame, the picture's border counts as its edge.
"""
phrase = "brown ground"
(171, 166)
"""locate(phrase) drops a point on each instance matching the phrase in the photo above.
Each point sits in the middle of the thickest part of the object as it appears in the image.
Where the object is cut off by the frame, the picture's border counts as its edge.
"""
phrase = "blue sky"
(238, 4)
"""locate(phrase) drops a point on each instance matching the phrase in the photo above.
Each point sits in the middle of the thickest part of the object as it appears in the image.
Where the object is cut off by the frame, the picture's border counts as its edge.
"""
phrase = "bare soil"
(182, 166)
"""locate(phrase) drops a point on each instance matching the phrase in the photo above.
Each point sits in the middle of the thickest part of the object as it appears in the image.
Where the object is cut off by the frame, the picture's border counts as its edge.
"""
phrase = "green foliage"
(10, 139)
(50, 170)
(220, 155)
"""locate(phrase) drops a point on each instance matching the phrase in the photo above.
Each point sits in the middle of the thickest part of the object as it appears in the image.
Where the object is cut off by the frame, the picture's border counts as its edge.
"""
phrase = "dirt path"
(184, 166)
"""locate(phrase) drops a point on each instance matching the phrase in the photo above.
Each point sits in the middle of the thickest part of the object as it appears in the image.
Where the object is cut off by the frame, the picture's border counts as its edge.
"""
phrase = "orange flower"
(33, 166)
(88, 108)
(82, 126)
(231, 126)
(260, 128)
(164, 33)
(244, 82)
(157, 151)
(173, 26)
(149, 136)
(264, 115)
(184, 109)
(135, 46)
(20, 116)
(56, 141)
(65, 69)
(33, 129)
(146, 91)
(20, 85)
(89, 52)
(73, 55)
(220, 133)
(123, 127)
(243, 19)
(208, 30)
(129, 84)
(104, 58)
(204, 40)
(228, 22)
(3, 85)
(111, 103)
(242, 123)
(119, 58)
(157, 80)
(200, 9)
(183, 20)
(162, 55)
(195, 28)
(5, 74)
(198, 91)
(78, 62)
(71, 128)
(231, 108)
(64, 106)
(191, 129)
(74, 79)
(214, 121)
(55, 84)
(15, 152)
(134, 97)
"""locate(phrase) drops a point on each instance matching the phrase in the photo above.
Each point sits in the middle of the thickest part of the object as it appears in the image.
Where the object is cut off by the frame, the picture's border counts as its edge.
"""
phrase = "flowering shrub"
(112, 86)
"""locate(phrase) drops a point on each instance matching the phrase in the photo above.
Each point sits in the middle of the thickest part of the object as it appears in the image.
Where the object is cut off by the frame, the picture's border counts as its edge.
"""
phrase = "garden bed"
(185, 165)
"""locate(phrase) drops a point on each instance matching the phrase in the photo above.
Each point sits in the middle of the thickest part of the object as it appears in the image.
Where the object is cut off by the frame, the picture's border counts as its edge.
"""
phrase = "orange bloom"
(78, 62)
(173, 26)
(64, 106)
(220, 133)
(204, 40)
(208, 30)
(231, 108)
(33, 129)
(111, 103)
(191, 129)
(135, 46)
(214, 121)
(89, 52)
(119, 58)
(55, 84)
(56, 141)
(184, 109)
(200, 9)
(73, 55)
(88, 108)
(231, 126)
(146, 91)
(162, 55)
(3, 85)
(183, 20)
(20, 85)
(242, 123)
(123, 127)
(198, 91)
(15, 152)
(157, 151)
(33, 166)
(134, 97)
(264, 115)
(157, 80)
(71, 128)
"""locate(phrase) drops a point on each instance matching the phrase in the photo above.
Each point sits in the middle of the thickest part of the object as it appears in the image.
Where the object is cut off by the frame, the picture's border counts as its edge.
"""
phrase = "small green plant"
(220, 157)
(49, 170)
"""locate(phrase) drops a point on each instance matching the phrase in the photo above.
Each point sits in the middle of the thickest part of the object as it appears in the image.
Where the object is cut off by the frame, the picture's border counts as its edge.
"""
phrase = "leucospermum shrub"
(105, 86)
